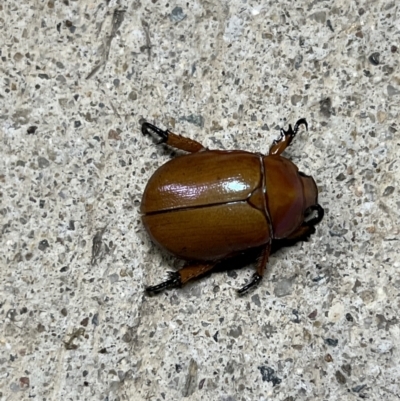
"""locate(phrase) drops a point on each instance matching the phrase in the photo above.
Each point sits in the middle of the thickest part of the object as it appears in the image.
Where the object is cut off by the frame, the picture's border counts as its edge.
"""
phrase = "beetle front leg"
(286, 137)
(258, 275)
(182, 276)
(171, 139)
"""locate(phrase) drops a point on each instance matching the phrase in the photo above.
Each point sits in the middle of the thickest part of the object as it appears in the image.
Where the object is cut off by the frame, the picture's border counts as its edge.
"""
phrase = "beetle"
(210, 205)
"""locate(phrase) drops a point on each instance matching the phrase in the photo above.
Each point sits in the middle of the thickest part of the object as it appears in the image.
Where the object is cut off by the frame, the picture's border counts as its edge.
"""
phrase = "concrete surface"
(75, 323)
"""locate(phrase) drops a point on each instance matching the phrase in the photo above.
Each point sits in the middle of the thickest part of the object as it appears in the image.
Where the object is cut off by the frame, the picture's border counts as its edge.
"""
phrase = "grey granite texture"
(77, 79)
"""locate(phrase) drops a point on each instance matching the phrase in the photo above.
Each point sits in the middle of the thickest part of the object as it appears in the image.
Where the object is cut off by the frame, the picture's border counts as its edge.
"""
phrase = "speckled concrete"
(77, 78)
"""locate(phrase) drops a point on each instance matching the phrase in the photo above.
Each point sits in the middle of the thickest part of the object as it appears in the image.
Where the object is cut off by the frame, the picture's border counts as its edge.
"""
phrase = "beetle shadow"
(251, 256)
(245, 258)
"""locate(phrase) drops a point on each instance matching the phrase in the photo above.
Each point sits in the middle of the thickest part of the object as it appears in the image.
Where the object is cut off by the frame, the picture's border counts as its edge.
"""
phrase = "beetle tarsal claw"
(253, 282)
(150, 129)
(302, 121)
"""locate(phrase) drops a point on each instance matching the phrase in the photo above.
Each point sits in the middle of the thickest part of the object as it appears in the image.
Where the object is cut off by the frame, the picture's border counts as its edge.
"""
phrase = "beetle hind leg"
(171, 139)
(182, 276)
(252, 283)
(258, 275)
(286, 137)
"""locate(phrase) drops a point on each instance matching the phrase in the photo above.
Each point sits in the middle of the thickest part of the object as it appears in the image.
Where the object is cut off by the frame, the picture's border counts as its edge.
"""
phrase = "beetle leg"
(258, 275)
(320, 214)
(147, 128)
(171, 139)
(173, 281)
(182, 276)
(286, 137)
(190, 272)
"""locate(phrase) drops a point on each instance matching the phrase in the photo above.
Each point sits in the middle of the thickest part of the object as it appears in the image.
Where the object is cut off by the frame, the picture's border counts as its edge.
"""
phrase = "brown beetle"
(211, 205)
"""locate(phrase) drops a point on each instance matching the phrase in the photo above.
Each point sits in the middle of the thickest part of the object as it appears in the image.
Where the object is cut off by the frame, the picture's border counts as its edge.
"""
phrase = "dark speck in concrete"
(392, 91)
(43, 162)
(191, 379)
(60, 78)
(230, 367)
(340, 377)
(113, 278)
(298, 61)
(347, 369)
(374, 58)
(319, 16)
(43, 245)
(95, 319)
(268, 375)
(325, 107)
(331, 342)
(388, 190)
(256, 299)
(235, 332)
(215, 336)
(132, 95)
(358, 388)
(341, 177)
(194, 119)
(177, 14)
(31, 130)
